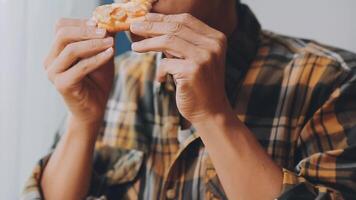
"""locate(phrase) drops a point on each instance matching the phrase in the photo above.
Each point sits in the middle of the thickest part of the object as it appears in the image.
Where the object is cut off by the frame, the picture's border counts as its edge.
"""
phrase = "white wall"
(329, 21)
(30, 109)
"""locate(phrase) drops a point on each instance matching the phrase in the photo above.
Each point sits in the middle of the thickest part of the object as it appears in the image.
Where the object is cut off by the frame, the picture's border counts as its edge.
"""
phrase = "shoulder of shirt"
(298, 48)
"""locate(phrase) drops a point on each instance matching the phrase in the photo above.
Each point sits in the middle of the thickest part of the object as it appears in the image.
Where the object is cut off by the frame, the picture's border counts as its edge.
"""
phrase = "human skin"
(85, 87)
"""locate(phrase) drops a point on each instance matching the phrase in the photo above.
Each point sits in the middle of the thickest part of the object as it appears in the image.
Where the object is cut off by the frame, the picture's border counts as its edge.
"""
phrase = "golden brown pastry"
(118, 16)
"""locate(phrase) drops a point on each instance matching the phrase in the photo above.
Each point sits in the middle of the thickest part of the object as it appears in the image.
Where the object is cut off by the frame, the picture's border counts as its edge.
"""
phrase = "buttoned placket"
(169, 184)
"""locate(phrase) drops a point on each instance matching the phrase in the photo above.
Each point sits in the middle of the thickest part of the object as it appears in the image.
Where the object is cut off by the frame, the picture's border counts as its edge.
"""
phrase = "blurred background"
(30, 108)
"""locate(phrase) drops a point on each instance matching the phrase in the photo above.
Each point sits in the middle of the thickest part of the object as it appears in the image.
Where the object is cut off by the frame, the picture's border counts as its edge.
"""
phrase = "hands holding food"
(195, 53)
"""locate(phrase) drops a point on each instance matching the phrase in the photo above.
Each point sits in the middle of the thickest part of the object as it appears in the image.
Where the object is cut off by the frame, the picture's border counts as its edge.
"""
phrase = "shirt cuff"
(32, 189)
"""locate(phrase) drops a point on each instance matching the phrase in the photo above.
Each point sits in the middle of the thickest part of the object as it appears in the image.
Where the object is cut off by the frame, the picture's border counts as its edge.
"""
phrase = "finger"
(178, 68)
(65, 22)
(186, 20)
(170, 44)
(76, 51)
(86, 66)
(152, 29)
(70, 34)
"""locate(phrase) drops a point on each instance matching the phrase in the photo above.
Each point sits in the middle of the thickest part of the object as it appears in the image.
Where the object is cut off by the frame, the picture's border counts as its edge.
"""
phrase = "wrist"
(225, 117)
(84, 129)
(220, 111)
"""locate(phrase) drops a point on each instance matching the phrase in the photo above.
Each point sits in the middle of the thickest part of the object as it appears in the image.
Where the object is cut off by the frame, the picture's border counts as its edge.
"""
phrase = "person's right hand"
(80, 66)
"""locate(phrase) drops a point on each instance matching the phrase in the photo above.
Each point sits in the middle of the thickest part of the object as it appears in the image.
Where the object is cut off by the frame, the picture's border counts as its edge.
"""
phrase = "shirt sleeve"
(111, 167)
(32, 189)
(326, 150)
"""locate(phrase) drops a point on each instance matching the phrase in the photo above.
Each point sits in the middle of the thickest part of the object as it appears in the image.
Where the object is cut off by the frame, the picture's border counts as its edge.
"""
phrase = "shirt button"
(171, 194)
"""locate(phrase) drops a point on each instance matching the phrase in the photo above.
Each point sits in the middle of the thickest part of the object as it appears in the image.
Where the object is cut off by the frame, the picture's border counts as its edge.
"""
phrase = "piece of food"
(118, 16)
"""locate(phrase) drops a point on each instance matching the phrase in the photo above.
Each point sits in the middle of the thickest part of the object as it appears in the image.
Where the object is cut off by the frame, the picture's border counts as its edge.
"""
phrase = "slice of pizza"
(118, 16)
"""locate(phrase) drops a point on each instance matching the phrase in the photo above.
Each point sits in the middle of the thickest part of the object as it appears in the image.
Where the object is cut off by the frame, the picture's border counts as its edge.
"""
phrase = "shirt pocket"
(126, 168)
(115, 168)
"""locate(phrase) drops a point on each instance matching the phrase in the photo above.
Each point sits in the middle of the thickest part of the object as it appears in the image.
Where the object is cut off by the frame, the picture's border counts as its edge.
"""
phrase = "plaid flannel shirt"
(297, 96)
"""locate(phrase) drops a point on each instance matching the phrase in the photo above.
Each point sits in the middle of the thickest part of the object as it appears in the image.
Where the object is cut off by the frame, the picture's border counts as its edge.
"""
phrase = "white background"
(328, 21)
(30, 109)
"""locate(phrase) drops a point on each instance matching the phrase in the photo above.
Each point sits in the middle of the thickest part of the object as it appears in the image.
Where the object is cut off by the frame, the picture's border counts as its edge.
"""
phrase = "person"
(207, 106)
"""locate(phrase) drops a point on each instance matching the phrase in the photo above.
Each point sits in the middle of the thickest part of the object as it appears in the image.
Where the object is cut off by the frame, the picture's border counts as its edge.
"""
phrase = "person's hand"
(80, 66)
(196, 60)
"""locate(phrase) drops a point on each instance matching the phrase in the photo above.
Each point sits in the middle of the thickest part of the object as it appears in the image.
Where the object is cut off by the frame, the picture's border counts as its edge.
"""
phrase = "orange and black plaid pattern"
(297, 96)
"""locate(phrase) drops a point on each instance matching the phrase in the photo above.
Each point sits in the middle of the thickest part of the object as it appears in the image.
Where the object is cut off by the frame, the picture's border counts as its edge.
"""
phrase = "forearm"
(244, 168)
(67, 174)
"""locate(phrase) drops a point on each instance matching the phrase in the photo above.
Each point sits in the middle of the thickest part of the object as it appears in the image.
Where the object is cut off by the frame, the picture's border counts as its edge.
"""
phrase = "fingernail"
(109, 51)
(91, 22)
(100, 31)
(134, 45)
(108, 41)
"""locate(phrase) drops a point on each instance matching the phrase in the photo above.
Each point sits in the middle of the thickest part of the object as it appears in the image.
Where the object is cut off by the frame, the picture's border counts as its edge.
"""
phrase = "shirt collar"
(242, 48)
(244, 41)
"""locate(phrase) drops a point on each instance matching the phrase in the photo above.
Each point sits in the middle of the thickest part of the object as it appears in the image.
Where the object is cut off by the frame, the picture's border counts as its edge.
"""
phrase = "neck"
(226, 24)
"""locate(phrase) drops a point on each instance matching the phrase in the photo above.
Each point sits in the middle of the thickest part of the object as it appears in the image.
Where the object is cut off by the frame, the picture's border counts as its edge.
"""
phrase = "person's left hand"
(196, 60)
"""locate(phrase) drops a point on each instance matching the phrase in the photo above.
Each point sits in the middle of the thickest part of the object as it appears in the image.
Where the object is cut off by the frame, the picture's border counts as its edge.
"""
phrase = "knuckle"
(59, 23)
(70, 50)
(216, 49)
(185, 17)
(221, 38)
(204, 58)
(84, 32)
(60, 85)
(168, 18)
(169, 38)
(196, 71)
(175, 28)
(97, 59)
(61, 38)
(94, 44)
(148, 26)
(86, 64)
(60, 35)
(82, 67)
(194, 68)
